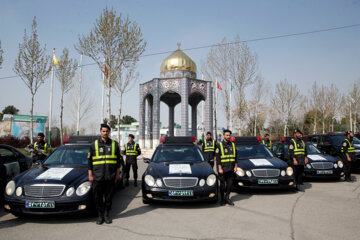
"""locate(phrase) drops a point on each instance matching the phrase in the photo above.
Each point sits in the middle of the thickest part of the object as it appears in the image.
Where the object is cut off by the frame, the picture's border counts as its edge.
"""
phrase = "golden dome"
(178, 60)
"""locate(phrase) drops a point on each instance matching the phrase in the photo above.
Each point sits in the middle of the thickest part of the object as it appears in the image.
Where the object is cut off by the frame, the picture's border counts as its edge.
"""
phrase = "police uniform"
(297, 150)
(132, 151)
(209, 150)
(104, 159)
(267, 143)
(42, 147)
(347, 147)
(226, 158)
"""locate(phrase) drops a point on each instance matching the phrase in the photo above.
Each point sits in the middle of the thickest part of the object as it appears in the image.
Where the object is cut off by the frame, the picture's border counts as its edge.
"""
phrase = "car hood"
(321, 158)
(198, 169)
(257, 163)
(72, 175)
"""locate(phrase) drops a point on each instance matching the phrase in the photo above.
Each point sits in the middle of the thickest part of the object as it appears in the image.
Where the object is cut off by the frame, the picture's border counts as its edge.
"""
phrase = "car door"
(9, 163)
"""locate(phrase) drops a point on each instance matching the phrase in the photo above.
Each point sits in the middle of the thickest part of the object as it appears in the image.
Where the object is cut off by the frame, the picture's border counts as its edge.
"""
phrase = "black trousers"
(298, 171)
(226, 182)
(103, 191)
(129, 164)
(347, 168)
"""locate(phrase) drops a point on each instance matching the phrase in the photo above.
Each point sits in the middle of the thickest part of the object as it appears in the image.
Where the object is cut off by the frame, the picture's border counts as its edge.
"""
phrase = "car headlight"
(340, 164)
(70, 192)
(283, 173)
(10, 188)
(289, 171)
(308, 166)
(335, 165)
(159, 182)
(211, 180)
(248, 173)
(83, 188)
(149, 180)
(18, 191)
(201, 182)
(240, 172)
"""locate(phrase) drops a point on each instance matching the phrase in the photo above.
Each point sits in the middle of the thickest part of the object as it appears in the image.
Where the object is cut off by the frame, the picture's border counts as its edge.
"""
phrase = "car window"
(314, 140)
(275, 148)
(178, 154)
(311, 149)
(69, 155)
(6, 152)
(337, 139)
(247, 151)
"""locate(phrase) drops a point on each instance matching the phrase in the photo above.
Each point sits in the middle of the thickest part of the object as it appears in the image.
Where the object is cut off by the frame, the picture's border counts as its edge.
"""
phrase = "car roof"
(178, 140)
(80, 139)
(246, 140)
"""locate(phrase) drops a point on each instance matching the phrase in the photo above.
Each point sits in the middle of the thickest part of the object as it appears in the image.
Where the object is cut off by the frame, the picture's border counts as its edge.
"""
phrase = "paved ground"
(326, 210)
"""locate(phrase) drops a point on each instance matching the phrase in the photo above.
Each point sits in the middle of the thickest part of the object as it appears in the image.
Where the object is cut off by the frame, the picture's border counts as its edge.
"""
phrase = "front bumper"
(253, 182)
(318, 173)
(63, 205)
(150, 194)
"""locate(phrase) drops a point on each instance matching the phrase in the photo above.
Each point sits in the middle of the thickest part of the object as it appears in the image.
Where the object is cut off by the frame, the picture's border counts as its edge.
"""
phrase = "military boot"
(228, 201)
(108, 220)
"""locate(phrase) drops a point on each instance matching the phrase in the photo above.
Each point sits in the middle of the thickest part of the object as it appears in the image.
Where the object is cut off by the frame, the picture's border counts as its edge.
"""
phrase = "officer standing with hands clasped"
(227, 165)
(209, 149)
(132, 151)
(267, 142)
(298, 155)
(104, 162)
(348, 154)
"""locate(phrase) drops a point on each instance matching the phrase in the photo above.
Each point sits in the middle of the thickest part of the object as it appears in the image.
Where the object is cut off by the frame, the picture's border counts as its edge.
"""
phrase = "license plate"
(324, 172)
(181, 193)
(268, 181)
(40, 204)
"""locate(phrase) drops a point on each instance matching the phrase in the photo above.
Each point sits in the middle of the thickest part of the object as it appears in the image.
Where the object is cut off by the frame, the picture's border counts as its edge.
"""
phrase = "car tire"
(145, 201)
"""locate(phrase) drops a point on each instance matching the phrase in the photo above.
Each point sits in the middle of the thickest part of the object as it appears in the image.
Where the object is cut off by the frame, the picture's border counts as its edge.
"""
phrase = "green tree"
(9, 110)
(32, 66)
(127, 119)
(112, 122)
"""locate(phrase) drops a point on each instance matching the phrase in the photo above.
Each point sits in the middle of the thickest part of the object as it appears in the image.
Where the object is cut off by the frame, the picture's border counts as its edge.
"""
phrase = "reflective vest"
(104, 159)
(42, 150)
(351, 148)
(270, 144)
(227, 158)
(210, 148)
(299, 151)
(130, 152)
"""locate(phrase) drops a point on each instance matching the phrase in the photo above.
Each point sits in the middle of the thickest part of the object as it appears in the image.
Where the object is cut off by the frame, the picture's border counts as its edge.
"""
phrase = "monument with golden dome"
(177, 84)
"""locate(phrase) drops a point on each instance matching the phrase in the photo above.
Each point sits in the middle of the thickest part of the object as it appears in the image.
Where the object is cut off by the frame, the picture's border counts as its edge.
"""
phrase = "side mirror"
(147, 160)
(279, 155)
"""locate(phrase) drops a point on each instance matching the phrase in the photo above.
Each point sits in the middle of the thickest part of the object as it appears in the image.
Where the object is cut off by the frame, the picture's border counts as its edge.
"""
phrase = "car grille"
(266, 172)
(180, 182)
(44, 190)
(322, 165)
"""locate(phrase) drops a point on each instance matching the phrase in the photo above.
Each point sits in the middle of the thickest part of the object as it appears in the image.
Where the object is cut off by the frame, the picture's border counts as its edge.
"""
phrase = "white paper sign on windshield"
(261, 162)
(54, 173)
(179, 168)
(315, 157)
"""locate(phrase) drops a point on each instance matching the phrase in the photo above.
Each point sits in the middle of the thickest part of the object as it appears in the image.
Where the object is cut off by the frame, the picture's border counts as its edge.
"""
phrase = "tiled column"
(194, 120)
(156, 113)
(208, 118)
(184, 87)
(141, 119)
(171, 120)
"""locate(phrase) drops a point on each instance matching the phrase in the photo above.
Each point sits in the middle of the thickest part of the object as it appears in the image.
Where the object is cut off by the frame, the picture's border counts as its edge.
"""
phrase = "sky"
(326, 57)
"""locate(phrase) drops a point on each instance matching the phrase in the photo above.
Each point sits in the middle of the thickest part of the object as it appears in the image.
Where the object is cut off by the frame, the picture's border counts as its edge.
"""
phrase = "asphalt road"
(326, 210)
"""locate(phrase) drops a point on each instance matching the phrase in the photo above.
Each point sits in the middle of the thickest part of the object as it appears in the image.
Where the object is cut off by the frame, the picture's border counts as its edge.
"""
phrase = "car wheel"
(145, 201)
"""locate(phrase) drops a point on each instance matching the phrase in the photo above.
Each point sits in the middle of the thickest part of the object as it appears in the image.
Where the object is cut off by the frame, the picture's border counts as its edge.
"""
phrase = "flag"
(218, 86)
(55, 61)
(106, 71)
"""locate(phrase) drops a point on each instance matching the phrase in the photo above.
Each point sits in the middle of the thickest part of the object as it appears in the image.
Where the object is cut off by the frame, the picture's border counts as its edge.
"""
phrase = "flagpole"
(230, 106)
(79, 98)
(202, 114)
(102, 95)
(216, 90)
(51, 96)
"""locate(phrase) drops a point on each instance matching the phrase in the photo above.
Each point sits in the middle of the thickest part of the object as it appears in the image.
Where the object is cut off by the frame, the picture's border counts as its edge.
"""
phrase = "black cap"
(297, 131)
(132, 136)
(227, 130)
(266, 134)
(104, 125)
(41, 134)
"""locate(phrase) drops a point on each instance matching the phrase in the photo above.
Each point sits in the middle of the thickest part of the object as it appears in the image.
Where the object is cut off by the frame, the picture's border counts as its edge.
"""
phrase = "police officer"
(267, 142)
(348, 154)
(209, 149)
(132, 151)
(104, 162)
(39, 148)
(298, 155)
(227, 165)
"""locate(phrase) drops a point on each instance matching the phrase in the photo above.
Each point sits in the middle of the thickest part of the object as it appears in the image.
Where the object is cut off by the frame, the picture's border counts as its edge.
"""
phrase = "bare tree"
(285, 101)
(333, 97)
(353, 99)
(65, 75)
(313, 99)
(125, 80)
(32, 66)
(1, 55)
(115, 40)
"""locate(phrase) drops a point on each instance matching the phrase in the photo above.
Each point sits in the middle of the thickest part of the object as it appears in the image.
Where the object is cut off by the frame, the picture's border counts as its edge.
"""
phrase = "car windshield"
(178, 154)
(311, 149)
(337, 140)
(247, 151)
(69, 155)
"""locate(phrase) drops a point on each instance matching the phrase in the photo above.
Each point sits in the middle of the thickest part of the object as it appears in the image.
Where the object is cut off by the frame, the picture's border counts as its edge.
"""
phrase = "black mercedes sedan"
(57, 186)
(178, 171)
(259, 168)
